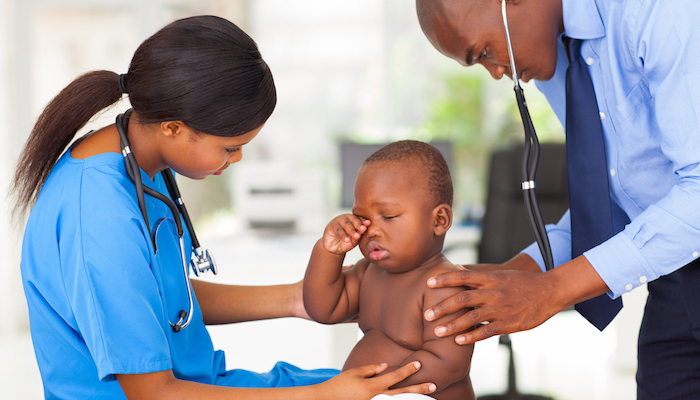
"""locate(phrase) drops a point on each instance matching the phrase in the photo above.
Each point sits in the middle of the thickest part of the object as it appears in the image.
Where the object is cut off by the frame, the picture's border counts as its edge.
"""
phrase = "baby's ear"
(442, 219)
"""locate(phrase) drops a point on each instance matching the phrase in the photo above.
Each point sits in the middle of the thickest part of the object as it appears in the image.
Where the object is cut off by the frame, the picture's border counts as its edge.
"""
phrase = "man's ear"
(512, 1)
(442, 219)
(172, 128)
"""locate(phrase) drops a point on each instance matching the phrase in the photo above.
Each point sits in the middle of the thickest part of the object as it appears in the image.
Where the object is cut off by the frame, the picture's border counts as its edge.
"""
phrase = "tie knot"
(573, 48)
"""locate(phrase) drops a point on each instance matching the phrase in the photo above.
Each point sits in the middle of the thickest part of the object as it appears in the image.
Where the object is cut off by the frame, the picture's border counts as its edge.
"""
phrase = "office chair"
(505, 226)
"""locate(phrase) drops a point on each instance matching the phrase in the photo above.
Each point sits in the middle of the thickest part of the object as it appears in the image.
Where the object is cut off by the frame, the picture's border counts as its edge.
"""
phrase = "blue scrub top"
(100, 300)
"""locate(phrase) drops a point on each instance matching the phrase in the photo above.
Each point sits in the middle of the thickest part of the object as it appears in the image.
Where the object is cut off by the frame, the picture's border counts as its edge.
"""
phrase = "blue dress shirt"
(641, 56)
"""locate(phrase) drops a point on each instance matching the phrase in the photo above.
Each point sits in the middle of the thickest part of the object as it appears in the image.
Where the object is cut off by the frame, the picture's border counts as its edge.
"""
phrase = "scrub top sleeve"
(111, 287)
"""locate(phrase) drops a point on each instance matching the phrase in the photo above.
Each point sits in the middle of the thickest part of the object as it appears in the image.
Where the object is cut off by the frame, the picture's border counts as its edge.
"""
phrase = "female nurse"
(101, 298)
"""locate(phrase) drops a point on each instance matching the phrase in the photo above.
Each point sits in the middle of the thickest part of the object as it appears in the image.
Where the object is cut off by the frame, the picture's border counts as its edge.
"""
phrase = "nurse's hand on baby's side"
(359, 383)
(347, 386)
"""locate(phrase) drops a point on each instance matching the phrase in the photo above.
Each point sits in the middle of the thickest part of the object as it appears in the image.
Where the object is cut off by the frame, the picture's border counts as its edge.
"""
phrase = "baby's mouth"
(376, 252)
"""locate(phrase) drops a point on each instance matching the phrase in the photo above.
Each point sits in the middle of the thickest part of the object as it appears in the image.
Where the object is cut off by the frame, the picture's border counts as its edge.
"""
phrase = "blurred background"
(349, 74)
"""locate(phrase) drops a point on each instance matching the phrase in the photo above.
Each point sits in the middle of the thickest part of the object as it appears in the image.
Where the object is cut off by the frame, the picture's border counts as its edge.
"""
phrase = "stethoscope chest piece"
(203, 261)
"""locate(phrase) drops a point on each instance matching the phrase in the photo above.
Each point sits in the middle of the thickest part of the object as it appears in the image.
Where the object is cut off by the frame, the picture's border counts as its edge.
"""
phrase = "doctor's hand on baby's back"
(504, 298)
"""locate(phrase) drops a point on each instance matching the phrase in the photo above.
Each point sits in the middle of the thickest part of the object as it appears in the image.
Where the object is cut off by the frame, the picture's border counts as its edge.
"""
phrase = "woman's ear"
(172, 128)
(442, 218)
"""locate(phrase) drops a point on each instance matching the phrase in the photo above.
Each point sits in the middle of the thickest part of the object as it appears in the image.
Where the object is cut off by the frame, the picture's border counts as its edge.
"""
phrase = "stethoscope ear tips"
(177, 327)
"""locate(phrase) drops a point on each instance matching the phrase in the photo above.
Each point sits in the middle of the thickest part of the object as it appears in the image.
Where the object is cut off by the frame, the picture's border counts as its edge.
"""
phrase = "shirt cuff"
(620, 264)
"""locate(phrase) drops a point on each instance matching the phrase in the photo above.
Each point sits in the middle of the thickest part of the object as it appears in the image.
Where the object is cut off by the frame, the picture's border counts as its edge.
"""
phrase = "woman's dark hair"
(204, 71)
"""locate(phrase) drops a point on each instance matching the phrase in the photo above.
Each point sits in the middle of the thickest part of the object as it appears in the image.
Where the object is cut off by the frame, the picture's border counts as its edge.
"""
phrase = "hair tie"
(122, 84)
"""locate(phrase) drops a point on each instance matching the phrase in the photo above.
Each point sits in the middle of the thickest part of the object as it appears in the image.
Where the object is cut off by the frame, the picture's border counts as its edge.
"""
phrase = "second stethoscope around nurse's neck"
(202, 260)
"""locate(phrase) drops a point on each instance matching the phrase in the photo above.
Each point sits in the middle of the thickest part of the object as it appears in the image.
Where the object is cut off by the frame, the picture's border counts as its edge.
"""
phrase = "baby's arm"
(444, 361)
(331, 295)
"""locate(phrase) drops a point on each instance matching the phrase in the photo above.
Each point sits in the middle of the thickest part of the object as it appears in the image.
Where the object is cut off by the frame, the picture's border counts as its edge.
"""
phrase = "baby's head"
(405, 190)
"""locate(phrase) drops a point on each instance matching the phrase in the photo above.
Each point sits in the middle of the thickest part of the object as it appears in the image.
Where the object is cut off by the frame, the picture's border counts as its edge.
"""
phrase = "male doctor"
(622, 77)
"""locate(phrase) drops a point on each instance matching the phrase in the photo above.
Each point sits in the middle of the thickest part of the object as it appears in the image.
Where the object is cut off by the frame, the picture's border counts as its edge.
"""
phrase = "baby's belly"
(376, 348)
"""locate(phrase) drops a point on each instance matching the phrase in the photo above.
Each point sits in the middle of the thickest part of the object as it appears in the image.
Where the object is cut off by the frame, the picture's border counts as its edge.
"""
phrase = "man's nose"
(496, 71)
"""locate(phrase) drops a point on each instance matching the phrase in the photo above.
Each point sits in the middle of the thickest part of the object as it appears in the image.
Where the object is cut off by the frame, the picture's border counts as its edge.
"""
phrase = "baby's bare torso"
(391, 317)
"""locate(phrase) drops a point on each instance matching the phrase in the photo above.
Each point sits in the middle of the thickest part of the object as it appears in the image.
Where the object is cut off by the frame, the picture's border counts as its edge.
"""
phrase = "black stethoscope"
(202, 260)
(529, 164)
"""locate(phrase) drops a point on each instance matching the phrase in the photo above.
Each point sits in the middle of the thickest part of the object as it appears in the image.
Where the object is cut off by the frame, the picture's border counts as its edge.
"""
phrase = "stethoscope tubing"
(529, 161)
(134, 172)
(184, 317)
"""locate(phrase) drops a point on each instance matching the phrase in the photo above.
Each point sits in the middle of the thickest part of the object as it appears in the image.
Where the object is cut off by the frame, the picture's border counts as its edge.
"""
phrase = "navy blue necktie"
(589, 194)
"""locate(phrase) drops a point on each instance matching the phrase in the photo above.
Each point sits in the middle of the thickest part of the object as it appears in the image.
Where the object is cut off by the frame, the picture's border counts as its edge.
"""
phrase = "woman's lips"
(376, 252)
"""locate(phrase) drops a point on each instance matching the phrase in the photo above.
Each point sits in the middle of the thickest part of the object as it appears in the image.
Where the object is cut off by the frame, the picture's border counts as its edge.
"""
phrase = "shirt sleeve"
(559, 241)
(112, 290)
(664, 42)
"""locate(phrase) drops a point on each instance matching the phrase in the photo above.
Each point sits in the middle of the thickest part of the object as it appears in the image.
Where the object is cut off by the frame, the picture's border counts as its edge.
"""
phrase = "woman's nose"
(235, 157)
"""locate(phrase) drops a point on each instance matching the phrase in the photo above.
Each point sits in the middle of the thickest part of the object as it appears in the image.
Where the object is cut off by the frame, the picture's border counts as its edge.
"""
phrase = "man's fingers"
(483, 332)
(461, 324)
(464, 277)
(463, 299)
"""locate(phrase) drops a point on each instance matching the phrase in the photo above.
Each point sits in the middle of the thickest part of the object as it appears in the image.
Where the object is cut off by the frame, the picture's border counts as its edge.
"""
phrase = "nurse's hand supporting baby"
(356, 384)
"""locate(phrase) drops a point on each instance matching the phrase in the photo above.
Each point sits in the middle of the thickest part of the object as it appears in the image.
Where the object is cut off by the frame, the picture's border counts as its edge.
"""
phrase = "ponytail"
(204, 71)
(69, 111)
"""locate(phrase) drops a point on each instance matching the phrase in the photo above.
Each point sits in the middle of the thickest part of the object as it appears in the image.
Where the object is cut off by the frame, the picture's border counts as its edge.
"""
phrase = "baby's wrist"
(334, 252)
(328, 251)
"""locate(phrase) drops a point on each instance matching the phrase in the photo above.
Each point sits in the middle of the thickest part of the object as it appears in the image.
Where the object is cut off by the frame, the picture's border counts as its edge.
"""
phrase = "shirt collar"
(582, 19)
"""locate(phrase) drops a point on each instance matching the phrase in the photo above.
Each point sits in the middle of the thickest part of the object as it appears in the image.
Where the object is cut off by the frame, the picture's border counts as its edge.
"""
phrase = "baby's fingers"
(350, 228)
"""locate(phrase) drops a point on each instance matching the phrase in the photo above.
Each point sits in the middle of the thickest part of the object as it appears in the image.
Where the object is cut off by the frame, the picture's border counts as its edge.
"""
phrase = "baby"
(402, 210)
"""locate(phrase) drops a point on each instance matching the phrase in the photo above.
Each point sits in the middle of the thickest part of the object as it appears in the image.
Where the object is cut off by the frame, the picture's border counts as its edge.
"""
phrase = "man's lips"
(376, 252)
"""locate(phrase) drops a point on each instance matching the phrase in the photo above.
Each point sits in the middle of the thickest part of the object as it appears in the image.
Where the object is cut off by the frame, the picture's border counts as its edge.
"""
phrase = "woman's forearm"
(222, 304)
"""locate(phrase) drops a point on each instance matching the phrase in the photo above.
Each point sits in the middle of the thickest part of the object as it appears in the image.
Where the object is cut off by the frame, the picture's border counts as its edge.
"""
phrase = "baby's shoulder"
(442, 267)
(442, 293)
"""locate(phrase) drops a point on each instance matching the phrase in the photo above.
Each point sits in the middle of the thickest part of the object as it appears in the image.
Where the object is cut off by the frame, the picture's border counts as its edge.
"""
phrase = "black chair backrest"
(505, 226)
